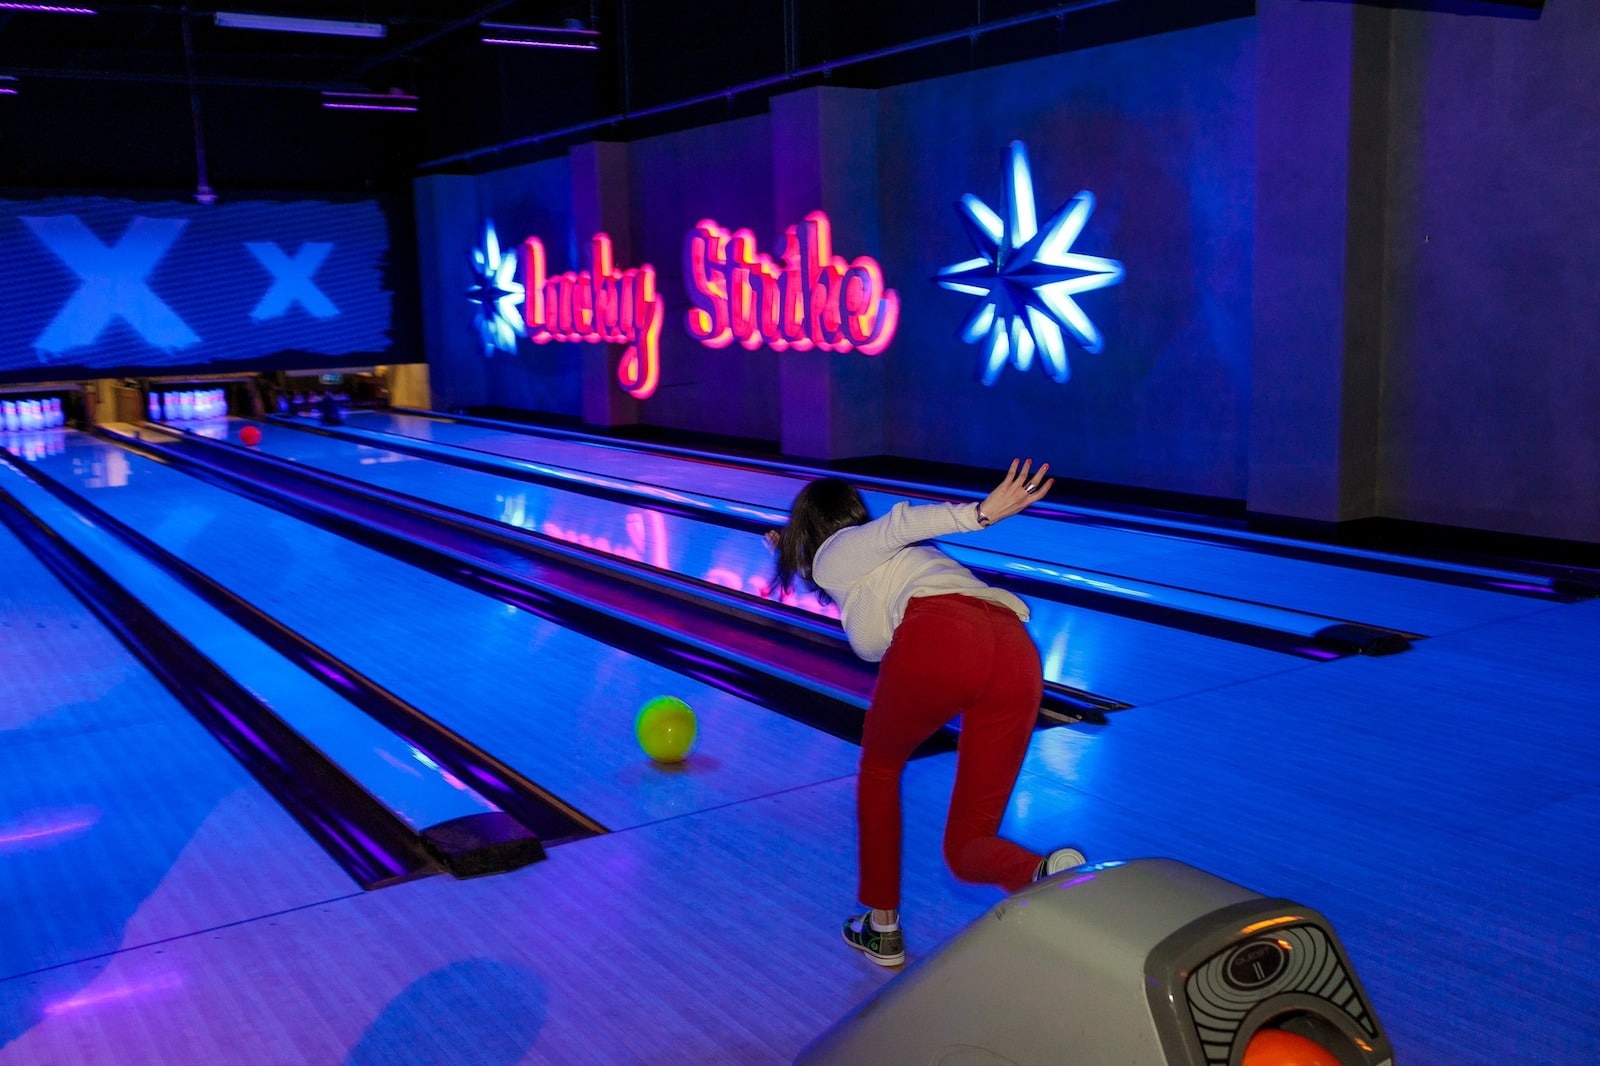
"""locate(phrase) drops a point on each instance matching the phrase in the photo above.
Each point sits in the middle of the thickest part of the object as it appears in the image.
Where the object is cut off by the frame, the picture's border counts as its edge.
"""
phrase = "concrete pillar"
(1322, 137)
(600, 205)
(825, 157)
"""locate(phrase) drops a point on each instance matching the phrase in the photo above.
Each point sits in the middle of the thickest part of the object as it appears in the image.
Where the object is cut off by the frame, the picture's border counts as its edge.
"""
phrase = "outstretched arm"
(1013, 495)
(854, 552)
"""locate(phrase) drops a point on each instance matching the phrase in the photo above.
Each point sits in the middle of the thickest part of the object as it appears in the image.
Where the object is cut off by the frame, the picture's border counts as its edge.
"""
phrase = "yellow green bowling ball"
(666, 729)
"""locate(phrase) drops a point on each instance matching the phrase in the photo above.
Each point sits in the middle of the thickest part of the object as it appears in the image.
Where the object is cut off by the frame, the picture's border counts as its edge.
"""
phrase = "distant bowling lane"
(122, 821)
(557, 706)
(1165, 557)
(1122, 658)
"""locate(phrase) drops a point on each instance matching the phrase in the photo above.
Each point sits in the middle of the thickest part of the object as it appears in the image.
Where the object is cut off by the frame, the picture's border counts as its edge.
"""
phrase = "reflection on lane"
(1120, 658)
(665, 542)
(1382, 589)
(553, 703)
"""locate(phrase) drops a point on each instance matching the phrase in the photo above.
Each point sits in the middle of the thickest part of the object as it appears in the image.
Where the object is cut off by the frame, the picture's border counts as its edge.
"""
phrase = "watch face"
(1254, 964)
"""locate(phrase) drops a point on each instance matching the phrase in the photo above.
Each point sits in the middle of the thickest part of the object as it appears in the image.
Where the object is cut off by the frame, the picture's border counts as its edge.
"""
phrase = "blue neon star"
(1027, 277)
(496, 294)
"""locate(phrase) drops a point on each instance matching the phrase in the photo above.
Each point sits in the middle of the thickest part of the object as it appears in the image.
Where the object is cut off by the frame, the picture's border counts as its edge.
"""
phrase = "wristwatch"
(983, 519)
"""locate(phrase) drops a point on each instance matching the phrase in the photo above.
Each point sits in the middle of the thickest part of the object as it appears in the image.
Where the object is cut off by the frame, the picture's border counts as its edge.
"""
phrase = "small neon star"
(1027, 277)
(496, 294)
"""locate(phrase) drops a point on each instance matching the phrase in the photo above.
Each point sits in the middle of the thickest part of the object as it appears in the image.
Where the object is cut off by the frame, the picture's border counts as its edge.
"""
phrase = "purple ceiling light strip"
(367, 107)
(541, 44)
(48, 9)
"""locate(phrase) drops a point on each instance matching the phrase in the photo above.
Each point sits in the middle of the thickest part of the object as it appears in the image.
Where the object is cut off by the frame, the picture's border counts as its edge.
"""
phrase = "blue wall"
(526, 201)
(1491, 387)
(721, 172)
(92, 286)
(1360, 250)
(1162, 132)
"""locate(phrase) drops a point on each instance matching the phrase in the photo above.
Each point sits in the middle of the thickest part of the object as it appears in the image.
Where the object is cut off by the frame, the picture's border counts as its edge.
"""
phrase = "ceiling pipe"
(972, 34)
(428, 38)
(183, 79)
(202, 189)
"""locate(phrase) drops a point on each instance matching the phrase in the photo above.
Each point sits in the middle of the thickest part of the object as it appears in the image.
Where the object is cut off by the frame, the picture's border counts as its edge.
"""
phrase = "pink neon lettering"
(594, 305)
(814, 298)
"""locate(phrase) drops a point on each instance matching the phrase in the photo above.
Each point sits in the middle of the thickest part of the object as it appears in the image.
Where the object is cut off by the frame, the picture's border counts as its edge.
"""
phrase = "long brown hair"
(820, 510)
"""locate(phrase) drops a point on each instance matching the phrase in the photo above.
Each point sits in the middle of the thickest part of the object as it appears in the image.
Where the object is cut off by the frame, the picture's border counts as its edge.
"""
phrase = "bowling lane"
(1109, 655)
(1063, 536)
(122, 821)
(556, 706)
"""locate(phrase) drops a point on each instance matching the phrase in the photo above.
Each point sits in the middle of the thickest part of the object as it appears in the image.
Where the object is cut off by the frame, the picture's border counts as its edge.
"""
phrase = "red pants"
(951, 655)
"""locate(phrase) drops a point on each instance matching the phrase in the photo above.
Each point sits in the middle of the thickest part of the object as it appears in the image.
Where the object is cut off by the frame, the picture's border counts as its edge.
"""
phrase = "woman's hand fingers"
(1020, 487)
(1011, 474)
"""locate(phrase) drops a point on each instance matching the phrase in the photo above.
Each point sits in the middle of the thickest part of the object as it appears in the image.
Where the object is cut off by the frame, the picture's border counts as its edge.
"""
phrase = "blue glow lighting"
(291, 280)
(1027, 276)
(497, 294)
(113, 283)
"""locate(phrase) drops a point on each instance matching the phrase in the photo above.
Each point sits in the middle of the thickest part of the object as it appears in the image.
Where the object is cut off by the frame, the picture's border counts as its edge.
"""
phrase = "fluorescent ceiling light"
(331, 27)
(48, 9)
(569, 45)
(393, 100)
(537, 36)
(333, 106)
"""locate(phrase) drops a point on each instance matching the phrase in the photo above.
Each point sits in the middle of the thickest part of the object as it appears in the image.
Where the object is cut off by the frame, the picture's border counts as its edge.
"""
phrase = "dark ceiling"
(163, 98)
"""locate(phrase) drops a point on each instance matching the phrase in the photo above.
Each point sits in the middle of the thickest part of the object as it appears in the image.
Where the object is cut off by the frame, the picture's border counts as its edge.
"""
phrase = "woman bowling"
(947, 645)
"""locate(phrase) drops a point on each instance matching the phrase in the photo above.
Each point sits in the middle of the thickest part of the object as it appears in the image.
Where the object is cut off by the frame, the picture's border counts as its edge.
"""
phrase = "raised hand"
(1022, 486)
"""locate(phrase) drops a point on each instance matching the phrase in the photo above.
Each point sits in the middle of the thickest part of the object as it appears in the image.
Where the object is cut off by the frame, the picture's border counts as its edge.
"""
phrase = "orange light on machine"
(1269, 923)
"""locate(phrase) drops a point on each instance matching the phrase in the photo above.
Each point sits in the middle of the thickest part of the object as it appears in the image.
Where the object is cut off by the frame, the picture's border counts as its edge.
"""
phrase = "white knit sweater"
(872, 571)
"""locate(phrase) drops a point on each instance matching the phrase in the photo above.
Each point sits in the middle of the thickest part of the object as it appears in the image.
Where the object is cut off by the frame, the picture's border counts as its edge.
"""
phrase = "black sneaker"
(885, 947)
(1058, 860)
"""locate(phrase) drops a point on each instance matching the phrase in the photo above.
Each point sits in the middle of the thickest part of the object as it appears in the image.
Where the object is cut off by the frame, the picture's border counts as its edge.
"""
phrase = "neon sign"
(813, 299)
(598, 304)
(588, 306)
(497, 295)
(1027, 277)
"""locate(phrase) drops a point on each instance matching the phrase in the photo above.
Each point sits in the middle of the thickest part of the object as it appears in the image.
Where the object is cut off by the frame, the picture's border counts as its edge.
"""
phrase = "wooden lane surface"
(557, 706)
(1350, 593)
(1439, 807)
(122, 821)
(1117, 657)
